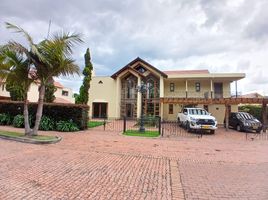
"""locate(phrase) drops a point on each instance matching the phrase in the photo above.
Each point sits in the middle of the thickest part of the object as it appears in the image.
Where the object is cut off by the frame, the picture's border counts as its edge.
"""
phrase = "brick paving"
(106, 165)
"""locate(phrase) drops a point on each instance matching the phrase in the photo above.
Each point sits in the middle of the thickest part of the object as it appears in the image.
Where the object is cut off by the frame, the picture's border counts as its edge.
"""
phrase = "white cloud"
(223, 36)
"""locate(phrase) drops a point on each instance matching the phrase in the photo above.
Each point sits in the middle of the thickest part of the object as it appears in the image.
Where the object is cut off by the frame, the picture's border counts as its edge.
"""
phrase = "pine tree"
(82, 98)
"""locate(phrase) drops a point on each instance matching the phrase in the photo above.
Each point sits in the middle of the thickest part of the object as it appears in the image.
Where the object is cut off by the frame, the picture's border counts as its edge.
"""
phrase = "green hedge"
(78, 114)
(255, 110)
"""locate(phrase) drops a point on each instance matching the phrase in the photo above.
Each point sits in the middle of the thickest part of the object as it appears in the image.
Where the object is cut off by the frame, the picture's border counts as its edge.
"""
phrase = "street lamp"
(142, 89)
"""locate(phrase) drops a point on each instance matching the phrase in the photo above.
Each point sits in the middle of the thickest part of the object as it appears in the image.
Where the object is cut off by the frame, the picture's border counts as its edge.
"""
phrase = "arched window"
(130, 93)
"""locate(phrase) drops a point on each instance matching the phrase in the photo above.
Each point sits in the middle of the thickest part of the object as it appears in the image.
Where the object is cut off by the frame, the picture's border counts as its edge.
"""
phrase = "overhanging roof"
(133, 62)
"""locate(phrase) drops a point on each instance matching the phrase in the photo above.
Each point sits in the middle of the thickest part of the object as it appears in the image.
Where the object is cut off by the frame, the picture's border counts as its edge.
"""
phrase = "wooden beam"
(227, 115)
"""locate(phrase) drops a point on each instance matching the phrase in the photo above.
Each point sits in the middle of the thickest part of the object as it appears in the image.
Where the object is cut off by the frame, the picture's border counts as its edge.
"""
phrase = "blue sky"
(222, 36)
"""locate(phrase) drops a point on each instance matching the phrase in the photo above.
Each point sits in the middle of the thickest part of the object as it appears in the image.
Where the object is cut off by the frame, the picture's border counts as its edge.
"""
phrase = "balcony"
(201, 94)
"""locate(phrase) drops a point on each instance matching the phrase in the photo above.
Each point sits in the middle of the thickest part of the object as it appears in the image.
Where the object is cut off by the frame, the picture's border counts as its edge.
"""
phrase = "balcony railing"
(201, 94)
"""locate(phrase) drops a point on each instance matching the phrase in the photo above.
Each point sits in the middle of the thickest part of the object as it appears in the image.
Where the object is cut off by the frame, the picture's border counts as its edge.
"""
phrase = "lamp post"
(142, 89)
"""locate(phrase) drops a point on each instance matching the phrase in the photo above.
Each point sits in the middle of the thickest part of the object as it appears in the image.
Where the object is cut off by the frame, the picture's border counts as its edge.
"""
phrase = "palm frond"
(18, 29)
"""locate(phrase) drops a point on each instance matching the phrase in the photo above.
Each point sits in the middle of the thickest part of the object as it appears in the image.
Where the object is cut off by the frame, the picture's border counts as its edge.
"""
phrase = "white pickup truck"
(197, 119)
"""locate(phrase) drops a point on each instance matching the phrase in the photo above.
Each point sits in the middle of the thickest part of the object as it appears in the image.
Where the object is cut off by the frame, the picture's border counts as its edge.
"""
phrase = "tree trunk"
(39, 111)
(26, 117)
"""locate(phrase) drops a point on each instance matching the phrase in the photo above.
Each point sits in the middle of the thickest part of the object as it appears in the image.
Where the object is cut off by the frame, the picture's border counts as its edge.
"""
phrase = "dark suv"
(242, 121)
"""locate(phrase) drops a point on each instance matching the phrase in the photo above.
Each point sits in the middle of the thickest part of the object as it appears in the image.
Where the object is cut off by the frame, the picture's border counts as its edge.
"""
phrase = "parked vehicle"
(242, 121)
(197, 119)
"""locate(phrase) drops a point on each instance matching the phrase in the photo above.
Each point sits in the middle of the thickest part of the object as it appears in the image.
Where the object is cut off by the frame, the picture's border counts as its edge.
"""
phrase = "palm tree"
(15, 68)
(50, 57)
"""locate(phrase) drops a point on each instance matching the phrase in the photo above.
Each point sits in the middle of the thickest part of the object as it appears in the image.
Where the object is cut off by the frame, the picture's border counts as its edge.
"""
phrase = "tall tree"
(15, 69)
(50, 57)
(49, 93)
(82, 98)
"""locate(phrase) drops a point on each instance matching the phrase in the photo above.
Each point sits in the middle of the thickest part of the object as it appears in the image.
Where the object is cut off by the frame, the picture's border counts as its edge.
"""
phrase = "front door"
(129, 110)
(218, 90)
(100, 110)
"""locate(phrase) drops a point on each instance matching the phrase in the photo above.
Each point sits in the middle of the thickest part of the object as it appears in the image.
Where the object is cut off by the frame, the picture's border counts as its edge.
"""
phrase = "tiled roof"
(174, 72)
(251, 95)
(58, 84)
(61, 100)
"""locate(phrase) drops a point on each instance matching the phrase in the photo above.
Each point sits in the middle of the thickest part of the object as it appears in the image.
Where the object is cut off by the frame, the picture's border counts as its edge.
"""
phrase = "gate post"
(124, 124)
(159, 126)
(227, 113)
(264, 116)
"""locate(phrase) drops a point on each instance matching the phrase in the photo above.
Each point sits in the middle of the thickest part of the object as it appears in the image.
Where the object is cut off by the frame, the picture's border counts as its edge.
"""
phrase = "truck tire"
(212, 131)
(188, 127)
(179, 122)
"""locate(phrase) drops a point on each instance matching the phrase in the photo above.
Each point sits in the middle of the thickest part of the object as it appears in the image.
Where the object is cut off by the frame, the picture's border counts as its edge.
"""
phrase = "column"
(211, 89)
(186, 88)
(139, 99)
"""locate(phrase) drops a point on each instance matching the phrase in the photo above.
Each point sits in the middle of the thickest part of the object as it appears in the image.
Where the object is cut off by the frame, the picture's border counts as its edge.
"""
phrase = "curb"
(31, 141)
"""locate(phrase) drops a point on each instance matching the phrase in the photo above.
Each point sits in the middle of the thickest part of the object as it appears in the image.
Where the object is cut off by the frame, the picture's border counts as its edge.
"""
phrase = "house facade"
(118, 96)
(62, 94)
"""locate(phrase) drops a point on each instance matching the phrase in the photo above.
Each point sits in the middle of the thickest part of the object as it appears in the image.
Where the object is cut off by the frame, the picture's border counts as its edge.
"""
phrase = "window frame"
(172, 87)
(170, 109)
(197, 86)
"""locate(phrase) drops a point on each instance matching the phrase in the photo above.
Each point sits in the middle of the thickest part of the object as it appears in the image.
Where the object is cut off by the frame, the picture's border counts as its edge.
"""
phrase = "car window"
(197, 112)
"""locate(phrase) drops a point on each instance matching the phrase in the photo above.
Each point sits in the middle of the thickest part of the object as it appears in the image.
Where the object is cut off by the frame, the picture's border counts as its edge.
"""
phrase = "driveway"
(106, 165)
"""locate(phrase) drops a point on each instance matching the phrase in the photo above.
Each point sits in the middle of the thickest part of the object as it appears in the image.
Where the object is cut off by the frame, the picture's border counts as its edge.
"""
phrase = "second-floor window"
(65, 93)
(172, 87)
(197, 87)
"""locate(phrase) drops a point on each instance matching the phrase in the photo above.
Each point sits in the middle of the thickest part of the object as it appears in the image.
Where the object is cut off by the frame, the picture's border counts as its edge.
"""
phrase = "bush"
(18, 121)
(254, 110)
(149, 121)
(66, 126)
(57, 112)
(46, 124)
(5, 119)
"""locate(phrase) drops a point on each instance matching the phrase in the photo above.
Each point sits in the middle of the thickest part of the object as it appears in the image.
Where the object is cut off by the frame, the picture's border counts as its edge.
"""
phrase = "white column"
(186, 88)
(139, 99)
(161, 92)
(211, 88)
(118, 97)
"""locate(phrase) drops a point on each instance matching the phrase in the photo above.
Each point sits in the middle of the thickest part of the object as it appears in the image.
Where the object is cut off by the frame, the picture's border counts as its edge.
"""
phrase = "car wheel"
(258, 131)
(238, 127)
(212, 131)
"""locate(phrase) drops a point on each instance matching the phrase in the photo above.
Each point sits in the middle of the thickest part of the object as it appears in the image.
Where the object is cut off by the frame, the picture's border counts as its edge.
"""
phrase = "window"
(3, 87)
(100, 82)
(170, 109)
(197, 87)
(65, 93)
(172, 87)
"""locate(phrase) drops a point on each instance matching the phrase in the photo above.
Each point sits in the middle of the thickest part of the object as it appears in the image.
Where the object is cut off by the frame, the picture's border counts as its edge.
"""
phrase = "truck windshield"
(197, 112)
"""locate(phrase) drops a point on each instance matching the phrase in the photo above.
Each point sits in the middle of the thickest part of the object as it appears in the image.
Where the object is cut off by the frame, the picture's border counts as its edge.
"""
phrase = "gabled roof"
(133, 62)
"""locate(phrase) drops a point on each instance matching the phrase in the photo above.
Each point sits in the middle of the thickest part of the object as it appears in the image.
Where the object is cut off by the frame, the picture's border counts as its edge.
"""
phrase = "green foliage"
(254, 110)
(47, 124)
(49, 93)
(92, 124)
(18, 121)
(16, 91)
(66, 126)
(82, 98)
(56, 112)
(5, 119)
(142, 134)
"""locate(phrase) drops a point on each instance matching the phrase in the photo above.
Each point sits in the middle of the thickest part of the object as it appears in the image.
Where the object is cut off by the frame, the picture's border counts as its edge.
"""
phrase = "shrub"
(5, 119)
(254, 110)
(57, 112)
(66, 126)
(18, 121)
(47, 124)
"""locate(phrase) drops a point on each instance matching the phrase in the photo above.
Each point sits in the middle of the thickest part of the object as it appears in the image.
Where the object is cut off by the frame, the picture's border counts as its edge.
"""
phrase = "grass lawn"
(142, 134)
(21, 135)
(92, 124)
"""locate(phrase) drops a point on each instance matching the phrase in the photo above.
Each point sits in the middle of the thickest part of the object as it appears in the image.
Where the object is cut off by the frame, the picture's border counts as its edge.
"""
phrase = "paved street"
(106, 165)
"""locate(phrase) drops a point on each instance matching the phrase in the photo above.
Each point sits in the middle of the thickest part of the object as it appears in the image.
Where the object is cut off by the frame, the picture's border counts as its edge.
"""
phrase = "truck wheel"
(188, 127)
(179, 122)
